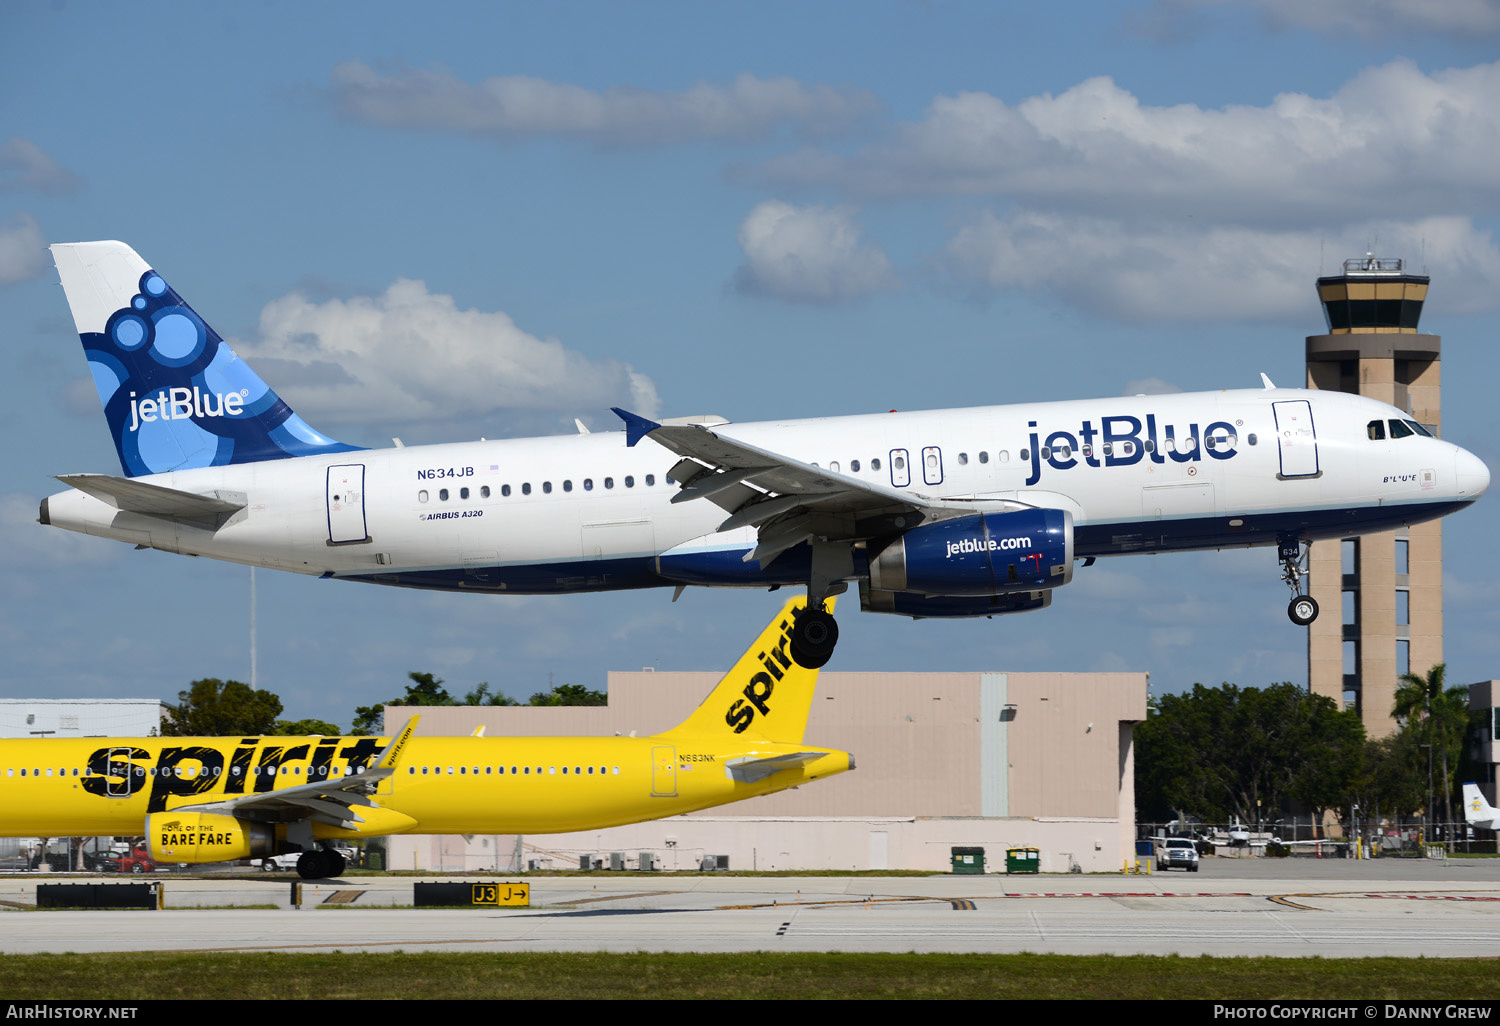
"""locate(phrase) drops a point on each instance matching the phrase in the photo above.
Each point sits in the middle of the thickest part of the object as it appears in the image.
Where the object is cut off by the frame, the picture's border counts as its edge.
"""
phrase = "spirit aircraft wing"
(788, 501)
(330, 802)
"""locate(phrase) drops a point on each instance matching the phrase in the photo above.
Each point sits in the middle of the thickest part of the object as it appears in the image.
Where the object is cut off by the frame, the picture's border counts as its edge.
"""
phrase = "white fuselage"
(586, 512)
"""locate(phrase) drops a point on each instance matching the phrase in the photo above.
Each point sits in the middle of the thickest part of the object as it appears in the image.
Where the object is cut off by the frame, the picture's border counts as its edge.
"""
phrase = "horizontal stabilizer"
(134, 496)
(748, 770)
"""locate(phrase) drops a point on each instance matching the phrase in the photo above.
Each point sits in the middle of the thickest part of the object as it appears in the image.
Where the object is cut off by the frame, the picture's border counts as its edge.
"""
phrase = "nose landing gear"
(1303, 609)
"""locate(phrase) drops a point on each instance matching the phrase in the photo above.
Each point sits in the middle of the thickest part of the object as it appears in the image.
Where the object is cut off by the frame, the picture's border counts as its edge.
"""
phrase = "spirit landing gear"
(1302, 610)
(320, 865)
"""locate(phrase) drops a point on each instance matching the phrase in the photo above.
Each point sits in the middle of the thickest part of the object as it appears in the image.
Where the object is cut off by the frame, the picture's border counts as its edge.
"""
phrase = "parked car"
(139, 860)
(1177, 851)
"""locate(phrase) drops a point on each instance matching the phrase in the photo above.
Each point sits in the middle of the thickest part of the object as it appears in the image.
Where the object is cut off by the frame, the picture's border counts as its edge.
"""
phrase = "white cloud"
(23, 250)
(1191, 272)
(412, 357)
(25, 165)
(520, 106)
(1391, 138)
(808, 254)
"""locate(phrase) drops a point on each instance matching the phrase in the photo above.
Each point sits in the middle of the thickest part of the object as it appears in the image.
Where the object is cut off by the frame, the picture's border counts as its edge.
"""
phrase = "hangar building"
(943, 760)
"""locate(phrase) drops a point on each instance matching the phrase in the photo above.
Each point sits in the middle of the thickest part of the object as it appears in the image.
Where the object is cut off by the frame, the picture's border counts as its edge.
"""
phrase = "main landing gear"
(813, 637)
(1303, 609)
(320, 865)
(815, 633)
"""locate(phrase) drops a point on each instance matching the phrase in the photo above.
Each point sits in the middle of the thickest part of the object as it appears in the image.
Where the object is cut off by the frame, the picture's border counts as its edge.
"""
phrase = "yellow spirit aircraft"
(215, 799)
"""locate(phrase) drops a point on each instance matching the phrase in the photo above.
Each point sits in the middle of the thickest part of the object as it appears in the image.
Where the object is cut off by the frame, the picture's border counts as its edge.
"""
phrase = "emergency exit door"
(1296, 438)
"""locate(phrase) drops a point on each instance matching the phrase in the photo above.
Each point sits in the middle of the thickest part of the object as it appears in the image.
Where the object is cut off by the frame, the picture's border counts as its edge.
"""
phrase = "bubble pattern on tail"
(177, 397)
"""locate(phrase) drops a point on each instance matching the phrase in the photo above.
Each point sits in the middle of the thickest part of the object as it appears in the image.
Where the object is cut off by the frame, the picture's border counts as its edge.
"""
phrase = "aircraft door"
(664, 771)
(900, 472)
(1297, 440)
(346, 504)
(932, 465)
(117, 784)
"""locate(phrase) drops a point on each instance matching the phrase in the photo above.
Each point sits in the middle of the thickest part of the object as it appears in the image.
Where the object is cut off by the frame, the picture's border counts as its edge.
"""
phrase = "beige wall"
(942, 759)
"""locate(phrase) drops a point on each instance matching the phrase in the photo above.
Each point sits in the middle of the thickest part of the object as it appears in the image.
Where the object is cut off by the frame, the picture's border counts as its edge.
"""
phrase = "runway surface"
(1292, 908)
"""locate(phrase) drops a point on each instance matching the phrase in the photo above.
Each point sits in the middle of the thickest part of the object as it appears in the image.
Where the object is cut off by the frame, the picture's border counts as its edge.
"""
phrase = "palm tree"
(1444, 717)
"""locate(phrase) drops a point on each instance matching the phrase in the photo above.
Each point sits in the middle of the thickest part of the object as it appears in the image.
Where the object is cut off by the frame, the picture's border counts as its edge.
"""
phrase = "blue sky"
(486, 219)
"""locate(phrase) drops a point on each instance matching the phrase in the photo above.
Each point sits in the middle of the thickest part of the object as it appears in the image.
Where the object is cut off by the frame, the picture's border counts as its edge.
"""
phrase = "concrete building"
(1381, 595)
(80, 717)
(944, 760)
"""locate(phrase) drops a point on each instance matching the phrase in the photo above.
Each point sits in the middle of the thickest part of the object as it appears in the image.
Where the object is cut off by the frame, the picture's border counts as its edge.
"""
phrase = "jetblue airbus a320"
(945, 513)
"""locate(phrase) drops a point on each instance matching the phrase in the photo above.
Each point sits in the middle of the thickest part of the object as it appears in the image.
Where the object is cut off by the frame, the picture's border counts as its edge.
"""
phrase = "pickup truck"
(1177, 851)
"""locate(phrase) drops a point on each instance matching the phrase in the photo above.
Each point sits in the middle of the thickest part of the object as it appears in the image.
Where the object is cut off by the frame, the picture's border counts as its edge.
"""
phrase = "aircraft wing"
(134, 496)
(788, 501)
(332, 802)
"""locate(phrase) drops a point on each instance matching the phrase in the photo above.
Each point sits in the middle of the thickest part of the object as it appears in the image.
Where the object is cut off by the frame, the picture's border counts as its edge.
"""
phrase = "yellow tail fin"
(766, 695)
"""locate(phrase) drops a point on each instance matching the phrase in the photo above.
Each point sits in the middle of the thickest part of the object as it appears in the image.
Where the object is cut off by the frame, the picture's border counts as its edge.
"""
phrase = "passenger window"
(484, 491)
(422, 495)
(1046, 452)
(567, 486)
(1376, 430)
(984, 457)
(526, 488)
(875, 464)
(834, 466)
(854, 466)
(505, 490)
(547, 487)
(1003, 455)
(900, 463)
(963, 459)
(609, 482)
(443, 494)
(629, 482)
(650, 480)
(1400, 430)
(463, 493)
(588, 484)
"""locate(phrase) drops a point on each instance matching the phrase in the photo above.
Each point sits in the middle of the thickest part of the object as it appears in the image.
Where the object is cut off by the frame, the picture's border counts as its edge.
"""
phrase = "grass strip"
(751, 975)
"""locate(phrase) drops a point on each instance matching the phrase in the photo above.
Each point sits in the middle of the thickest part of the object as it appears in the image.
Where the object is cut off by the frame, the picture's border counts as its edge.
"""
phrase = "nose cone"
(1472, 475)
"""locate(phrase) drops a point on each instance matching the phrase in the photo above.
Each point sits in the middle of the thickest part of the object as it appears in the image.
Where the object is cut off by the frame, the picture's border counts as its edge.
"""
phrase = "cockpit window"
(1400, 430)
(1377, 430)
(1418, 428)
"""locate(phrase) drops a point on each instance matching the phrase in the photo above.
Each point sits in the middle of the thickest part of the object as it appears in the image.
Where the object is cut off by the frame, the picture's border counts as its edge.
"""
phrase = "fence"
(1305, 838)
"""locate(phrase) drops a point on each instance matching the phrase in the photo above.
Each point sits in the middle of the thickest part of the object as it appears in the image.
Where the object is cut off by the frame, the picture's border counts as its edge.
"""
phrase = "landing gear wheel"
(1303, 610)
(311, 865)
(813, 638)
(336, 863)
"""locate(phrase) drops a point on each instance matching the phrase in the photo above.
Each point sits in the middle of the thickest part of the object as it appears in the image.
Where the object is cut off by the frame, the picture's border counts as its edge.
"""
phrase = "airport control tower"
(1388, 586)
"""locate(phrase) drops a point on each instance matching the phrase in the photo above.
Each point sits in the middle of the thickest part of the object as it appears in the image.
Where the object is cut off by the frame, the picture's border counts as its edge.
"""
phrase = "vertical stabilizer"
(766, 695)
(1479, 812)
(174, 394)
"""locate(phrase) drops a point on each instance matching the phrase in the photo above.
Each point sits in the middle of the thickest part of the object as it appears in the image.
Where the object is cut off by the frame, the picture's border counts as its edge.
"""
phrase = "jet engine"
(980, 556)
(207, 837)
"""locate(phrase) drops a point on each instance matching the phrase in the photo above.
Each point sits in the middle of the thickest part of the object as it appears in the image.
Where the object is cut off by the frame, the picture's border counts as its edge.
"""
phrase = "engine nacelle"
(921, 607)
(986, 554)
(207, 837)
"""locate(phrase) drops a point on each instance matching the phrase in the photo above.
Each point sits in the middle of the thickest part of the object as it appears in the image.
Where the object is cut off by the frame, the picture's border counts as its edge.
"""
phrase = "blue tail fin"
(174, 394)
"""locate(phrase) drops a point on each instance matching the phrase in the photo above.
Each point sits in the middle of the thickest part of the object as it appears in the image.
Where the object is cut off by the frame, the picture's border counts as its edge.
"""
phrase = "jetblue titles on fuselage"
(1120, 444)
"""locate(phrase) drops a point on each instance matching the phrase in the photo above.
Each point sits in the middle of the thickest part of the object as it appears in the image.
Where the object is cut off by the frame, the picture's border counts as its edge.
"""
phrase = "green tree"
(217, 708)
(1439, 716)
(569, 694)
(1216, 751)
(293, 728)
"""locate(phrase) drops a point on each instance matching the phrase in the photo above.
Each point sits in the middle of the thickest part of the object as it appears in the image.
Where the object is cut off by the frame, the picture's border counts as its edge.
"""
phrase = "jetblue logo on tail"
(176, 397)
(182, 403)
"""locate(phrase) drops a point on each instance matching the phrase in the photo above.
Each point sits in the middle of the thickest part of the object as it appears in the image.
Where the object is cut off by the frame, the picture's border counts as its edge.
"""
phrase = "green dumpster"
(1023, 860)
(968, 860)
(375, 858)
